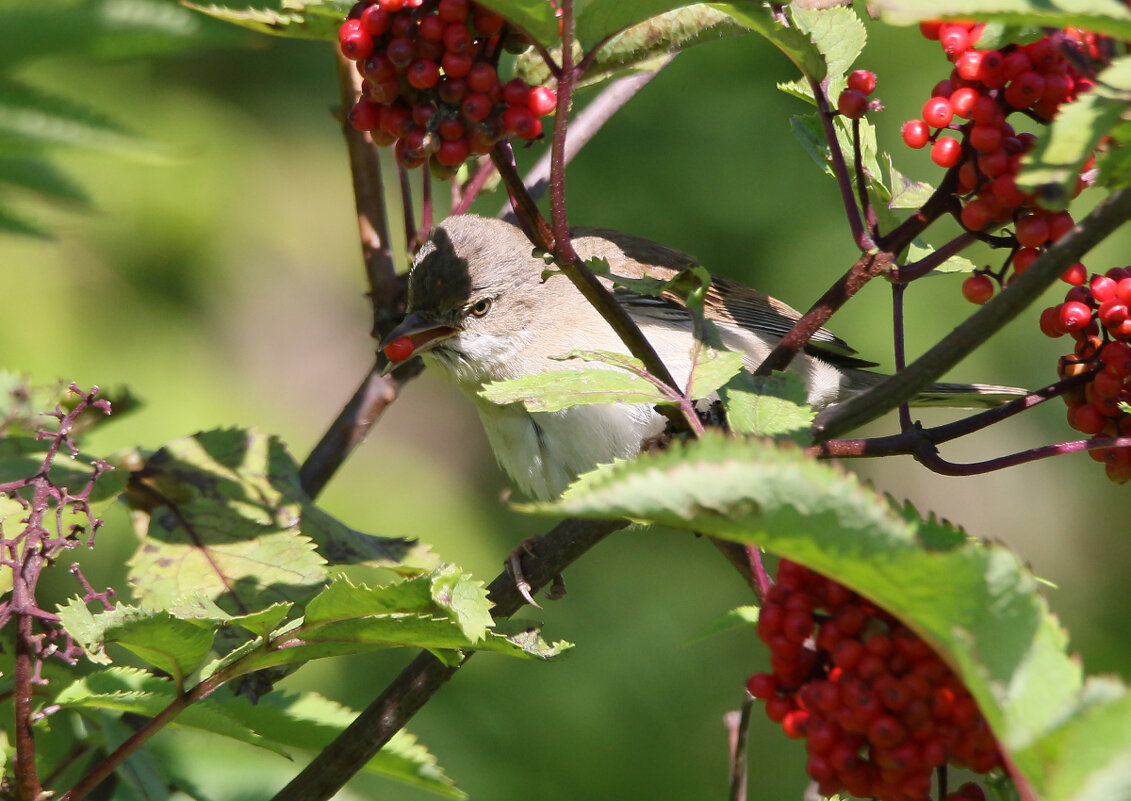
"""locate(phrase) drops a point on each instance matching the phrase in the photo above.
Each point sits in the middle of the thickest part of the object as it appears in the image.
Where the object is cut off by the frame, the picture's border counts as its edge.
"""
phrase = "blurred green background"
(222, 283)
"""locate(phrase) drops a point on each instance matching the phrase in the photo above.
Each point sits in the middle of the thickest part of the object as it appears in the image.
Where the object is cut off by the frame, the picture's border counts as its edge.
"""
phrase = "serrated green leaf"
(222, 515)
(310, 722)
(976, 604)
(838, 34)
(1071, 138)
(1101, 16)
(465, 601)
(918, 249)
(301, 19)
(555, 390)
(174, 645)
(793, 43)
(768, 406)
(597, 20)
(123, 689)
(905, 193)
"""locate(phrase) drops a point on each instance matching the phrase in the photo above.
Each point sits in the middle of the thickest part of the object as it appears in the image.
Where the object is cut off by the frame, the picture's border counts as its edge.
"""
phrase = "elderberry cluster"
(1095, 313)
(984, 88)
(431, 85)
(878, 707)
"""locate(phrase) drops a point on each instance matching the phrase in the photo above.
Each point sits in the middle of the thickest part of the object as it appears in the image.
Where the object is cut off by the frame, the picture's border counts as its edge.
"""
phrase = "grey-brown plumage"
(479, 312)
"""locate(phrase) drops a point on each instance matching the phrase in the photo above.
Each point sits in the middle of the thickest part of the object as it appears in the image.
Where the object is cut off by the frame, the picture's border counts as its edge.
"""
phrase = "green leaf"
(171, 644)
(792, 42)
(222, 516)
(1101, 16)
(310, 722)
(742, 617)
(31, 117)
(123, 689)
(600, 19)
(976, 604)
(838, 34)
(918, 249)
(554, 390)
(768, 406)
(1061, 151)
(536, 17)
(905, 193)
(12, 222)
(302, 19)
(99, 29)
(42, 178)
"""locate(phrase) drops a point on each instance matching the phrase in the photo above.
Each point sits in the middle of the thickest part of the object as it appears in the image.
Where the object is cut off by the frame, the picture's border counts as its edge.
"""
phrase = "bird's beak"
(424, 334)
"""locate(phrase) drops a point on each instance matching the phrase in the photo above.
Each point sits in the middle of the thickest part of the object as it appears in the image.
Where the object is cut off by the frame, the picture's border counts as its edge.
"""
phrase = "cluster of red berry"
(984, 88)
(1095, 313)
(853, 101)
(431, 85)
(879, 708)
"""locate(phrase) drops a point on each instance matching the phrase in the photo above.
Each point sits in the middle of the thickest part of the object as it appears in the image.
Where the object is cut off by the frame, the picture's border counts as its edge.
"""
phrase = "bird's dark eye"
(481, 307)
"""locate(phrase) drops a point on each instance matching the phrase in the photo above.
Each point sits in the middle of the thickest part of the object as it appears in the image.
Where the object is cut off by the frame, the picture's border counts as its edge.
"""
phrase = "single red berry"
(978, 289)
(396, 120)
(355, 41)
(954, 39)
(422, 113)
(454, 10)
(375, 20)
(1025, 90)
(795, 724)
(516, 92)
(937, 112)
(979, 212)
(481, 77)
(452, 152)
(385, 92)
(946, 151)
(392, 6)
(451, 129)
(985, 137)
(762, 685)
(852, 104)
(942, 89)
(1042, 53)
(993, 163)
(969, 64)
(431, 28)
(1076, 275)
(400, 24)
(377, 68)
(401, 51)
(365, 115)
(1023, 259)
(862, 81)
(543, 100)
(1016, 64)
(1059, 225)
(457, 38)
(962, 101)
(476, 107)
(423, 74)
(1032, 231)
(1005, 190)
(1050, 322)
(487, 22)
(915, 133)
(1074, 315)
(991, 70)
(458, 65)
(931, 29)
(399, 349)
(451, 90)
(1112, 314)
(1088, 419)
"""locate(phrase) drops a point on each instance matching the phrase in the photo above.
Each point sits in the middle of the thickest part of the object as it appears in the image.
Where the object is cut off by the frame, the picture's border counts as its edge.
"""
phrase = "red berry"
(1076, 275)
(452, 152)
(862, 81)
(401, 51)
(385, 92)
(399, 349)
(392, 6)
(1016, 64)
(762, 685)
(1059, 225)
(543, 100)
(946, 151)
(985, 137)
(431, 28)
(1074, 315)
(1005, 190)
(481, 77)
(1032, 231)
(516, 92)
(993, 163)
(991, 70)
(476, 107)
(1050, 322)
(375, 20)
(1025, 90)
(930, 29)
(451, 90)
(423, 74)
(487, 22)
(1023, 259)
(915, 133)
(458, 65)
(450, 129)
(355, 41)
(979, 212)
(852, 104)
(978, 289)
(377, 68)
(522, 122)
(937, 112)
(457, 38)
(1087, 419)
(954, 39)
(365, 115)
(396, 120)
(969, 64)
(454, 10)
(962, 101)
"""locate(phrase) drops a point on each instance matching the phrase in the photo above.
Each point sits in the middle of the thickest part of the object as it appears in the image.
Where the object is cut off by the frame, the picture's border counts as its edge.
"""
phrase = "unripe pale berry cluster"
(1095, 314)
(879, 709)
(431, 87)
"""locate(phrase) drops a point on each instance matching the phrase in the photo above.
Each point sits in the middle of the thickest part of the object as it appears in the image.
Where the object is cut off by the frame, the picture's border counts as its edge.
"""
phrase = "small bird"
(479, 311)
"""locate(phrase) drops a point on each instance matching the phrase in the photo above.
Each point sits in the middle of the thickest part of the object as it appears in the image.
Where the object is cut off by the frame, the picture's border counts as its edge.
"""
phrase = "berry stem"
(862, 189)
(1025, 289)
(840, 170)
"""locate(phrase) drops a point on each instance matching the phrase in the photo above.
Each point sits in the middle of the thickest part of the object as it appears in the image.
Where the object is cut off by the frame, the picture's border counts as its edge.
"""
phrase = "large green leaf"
(302, 19)
(554, 390)
(975, 603)
(792, 42)
(1102, 16)
(222, 515)
(768, 406)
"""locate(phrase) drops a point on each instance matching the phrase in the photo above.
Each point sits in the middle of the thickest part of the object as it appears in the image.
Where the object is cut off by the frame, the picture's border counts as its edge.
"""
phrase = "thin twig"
(738, 730)
(840, 169)
(980, 326)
